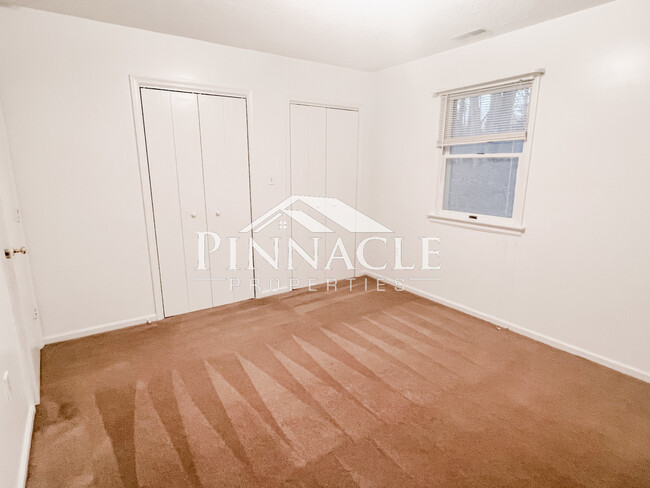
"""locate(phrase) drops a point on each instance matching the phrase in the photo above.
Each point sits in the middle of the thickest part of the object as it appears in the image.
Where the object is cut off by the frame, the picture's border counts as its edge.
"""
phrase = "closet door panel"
(308, 150)
(342, 153)
(224, 139)
(308, 177)
(189, 167)
(159, 130)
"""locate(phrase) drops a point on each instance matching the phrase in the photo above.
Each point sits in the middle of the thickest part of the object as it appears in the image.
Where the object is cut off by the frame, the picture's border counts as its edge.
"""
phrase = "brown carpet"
(333, 389)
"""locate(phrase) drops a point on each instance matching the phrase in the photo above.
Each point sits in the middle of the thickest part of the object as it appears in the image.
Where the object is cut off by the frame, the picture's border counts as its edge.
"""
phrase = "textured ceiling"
(362, 34)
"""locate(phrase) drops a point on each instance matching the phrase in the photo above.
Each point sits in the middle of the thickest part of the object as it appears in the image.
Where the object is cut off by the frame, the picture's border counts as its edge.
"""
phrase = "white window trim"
(515, 224)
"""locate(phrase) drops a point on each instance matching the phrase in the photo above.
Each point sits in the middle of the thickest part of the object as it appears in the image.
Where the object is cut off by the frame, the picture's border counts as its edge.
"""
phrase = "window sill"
(512, 230)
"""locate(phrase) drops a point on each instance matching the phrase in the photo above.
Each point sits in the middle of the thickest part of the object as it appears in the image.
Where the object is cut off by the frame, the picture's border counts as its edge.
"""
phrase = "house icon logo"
(332, 209)
(343, 251)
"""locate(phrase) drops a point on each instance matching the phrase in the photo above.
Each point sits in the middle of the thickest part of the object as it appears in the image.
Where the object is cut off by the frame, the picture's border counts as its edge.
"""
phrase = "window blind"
(495, 113)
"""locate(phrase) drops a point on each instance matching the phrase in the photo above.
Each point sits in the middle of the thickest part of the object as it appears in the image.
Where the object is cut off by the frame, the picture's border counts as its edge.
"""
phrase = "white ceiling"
(362, 34)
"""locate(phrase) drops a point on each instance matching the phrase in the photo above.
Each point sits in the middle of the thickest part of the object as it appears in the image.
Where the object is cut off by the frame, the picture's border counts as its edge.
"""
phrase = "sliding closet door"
(308, 178)
(342, 148)
(189, 170)
(176, 175)
(227, 193)
(324, 145)
(197, 153)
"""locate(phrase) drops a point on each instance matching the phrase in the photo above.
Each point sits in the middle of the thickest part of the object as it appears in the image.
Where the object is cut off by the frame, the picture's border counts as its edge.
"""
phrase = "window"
(484, 140)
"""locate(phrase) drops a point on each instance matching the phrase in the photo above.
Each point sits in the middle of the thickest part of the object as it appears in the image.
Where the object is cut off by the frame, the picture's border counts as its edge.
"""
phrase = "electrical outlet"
(7, 384)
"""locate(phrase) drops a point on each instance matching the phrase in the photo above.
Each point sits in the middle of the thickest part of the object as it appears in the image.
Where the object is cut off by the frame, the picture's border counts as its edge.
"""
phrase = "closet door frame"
(138, 83)
(332, 104)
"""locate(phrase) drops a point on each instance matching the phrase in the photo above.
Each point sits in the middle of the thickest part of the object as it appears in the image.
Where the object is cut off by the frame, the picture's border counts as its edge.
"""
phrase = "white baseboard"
(27, 445)
(556, 343)
(97, 329)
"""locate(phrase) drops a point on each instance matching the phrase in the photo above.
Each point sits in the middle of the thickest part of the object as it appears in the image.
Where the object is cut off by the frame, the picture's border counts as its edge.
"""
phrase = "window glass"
(484, 186)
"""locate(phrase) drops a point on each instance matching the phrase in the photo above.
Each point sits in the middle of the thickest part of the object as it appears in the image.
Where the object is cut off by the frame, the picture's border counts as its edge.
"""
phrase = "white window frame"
(514, 224)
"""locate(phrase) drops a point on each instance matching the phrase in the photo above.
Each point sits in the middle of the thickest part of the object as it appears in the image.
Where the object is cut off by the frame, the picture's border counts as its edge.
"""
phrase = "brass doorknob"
(10, 252)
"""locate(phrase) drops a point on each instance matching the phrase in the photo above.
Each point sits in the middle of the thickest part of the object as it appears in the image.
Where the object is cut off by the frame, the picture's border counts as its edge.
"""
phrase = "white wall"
(65, 87)
(579, 277)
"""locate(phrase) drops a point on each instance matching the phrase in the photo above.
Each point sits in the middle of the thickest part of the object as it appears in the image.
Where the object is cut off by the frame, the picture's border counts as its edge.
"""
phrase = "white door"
(224, 129)
(308, 178)
(323, 145)
(17, 270)
(16, 400)
(197, 150)
(342, 149)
